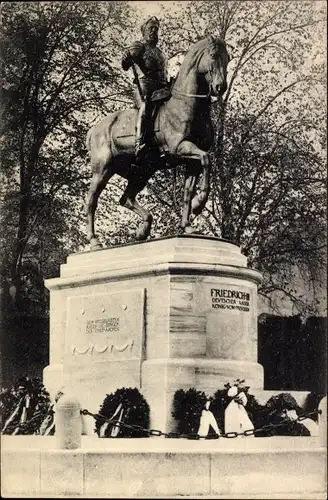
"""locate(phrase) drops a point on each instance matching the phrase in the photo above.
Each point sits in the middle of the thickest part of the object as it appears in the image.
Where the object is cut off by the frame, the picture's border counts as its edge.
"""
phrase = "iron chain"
(193, 436)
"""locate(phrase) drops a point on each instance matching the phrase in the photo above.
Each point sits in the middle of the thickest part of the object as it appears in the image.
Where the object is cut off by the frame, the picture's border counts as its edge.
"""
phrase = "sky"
(154, 8)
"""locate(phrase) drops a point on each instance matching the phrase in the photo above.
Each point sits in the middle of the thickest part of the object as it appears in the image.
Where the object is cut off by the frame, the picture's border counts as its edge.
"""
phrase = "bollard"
(322, 420)
(68, 422)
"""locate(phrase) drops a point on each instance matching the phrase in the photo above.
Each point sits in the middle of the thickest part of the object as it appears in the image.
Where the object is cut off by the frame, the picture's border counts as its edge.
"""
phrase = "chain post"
(68, 422)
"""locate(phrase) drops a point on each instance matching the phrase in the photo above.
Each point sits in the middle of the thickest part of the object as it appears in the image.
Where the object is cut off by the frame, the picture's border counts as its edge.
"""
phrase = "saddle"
(155, 144)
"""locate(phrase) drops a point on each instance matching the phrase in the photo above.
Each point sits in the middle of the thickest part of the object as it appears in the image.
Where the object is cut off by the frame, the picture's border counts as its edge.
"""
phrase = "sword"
(135, 74)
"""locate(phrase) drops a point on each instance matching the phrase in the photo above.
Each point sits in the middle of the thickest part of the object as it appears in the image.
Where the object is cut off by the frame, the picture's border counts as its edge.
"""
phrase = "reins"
(183, 94)
(178, 93)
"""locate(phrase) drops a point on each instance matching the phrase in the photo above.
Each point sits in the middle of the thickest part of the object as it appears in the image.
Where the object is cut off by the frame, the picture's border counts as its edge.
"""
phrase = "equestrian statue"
(170, 125)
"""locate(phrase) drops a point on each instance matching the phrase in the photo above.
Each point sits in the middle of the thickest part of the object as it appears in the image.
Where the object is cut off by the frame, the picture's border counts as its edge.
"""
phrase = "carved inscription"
(230, 299)
(103, 325)
(106, 327)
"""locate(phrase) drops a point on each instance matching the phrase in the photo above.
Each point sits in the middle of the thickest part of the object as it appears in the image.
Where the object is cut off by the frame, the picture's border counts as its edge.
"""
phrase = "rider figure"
(151, 64)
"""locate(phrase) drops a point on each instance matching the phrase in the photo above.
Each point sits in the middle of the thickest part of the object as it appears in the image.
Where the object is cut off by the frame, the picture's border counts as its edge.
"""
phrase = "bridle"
(197, 96)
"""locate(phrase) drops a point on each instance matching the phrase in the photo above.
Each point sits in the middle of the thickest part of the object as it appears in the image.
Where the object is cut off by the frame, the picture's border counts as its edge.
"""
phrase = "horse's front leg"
(199, 201)
(189, 150)
(189, 190)
(100, 177)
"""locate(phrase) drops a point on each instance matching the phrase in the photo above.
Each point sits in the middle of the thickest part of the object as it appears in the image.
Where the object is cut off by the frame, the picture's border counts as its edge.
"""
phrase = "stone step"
(278, 467)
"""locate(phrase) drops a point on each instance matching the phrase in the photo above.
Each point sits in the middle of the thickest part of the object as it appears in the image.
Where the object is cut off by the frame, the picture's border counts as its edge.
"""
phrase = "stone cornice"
(162, 269)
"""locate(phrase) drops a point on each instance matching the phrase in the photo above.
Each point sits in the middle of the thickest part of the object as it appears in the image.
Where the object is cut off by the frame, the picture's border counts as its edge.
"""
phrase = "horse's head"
(213, 65)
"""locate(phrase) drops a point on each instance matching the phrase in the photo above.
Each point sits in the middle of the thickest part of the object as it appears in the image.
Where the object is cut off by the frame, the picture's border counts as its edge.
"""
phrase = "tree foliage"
(58, 74)
(268, 182)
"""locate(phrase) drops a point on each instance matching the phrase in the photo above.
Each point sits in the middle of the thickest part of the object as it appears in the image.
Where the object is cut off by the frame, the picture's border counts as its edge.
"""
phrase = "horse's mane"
(214, 45)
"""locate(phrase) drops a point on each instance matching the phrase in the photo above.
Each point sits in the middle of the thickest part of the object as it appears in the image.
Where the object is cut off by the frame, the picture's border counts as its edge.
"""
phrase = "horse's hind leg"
(128, 200)
(98, 182)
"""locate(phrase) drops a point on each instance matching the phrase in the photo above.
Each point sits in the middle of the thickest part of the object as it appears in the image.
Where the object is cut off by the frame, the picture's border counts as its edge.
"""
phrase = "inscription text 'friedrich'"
(103, 325)
(230, 299)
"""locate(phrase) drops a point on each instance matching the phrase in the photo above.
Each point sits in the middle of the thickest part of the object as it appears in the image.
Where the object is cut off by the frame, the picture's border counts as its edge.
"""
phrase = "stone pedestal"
(161, 315)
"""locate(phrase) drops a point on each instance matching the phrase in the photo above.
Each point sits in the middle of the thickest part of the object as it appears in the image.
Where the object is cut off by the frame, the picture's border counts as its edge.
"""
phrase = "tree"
(268, 170)
(58, 75)
(269, 176)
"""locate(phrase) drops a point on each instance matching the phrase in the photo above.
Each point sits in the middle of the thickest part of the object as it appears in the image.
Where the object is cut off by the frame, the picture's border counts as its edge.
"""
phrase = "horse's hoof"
(143, 231)
(188, 229)
(95, 244)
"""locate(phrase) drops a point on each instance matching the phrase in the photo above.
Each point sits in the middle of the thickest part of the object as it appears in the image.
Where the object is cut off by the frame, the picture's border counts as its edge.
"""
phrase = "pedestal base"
(162, 315)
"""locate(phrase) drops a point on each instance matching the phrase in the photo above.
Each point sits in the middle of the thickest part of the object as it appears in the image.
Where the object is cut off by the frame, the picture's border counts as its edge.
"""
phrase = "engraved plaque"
(111, 327)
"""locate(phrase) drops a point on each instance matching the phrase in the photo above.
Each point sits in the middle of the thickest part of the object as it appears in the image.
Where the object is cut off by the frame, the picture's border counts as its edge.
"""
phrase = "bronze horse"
(183, 129)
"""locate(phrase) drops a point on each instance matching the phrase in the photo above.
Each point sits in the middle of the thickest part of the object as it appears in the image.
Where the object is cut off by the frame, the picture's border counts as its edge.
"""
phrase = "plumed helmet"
(150, 21)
